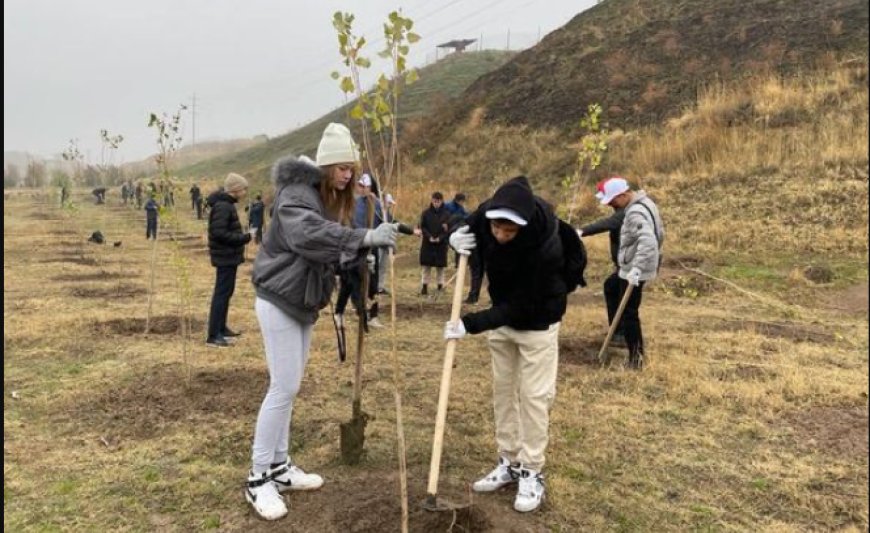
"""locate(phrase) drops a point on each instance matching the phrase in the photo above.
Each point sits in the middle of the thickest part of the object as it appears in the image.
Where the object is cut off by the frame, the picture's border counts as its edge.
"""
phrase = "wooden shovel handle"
(616, 318)
(444, 393)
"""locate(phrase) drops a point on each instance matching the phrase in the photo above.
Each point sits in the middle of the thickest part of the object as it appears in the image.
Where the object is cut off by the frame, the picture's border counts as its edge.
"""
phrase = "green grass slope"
(438, 83)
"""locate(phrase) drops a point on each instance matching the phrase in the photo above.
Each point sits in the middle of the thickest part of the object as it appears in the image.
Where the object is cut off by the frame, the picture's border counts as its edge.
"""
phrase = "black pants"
(258, 237)
(614, 289)
(476, 270)
(198, 207)
(224, 286)
(151, 228)
(350, 288)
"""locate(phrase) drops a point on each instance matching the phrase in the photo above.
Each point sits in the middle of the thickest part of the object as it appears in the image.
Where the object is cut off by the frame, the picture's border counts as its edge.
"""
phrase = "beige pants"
(427, 275)
(524, 367)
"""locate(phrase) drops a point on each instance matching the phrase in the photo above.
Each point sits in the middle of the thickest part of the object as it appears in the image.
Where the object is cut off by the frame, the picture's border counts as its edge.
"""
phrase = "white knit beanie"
(235, 182)
(336, 146)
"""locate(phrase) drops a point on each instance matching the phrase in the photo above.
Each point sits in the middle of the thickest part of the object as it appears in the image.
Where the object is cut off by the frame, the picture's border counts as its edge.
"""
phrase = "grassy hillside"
(438, 83)
(190, 155)
(644, 60)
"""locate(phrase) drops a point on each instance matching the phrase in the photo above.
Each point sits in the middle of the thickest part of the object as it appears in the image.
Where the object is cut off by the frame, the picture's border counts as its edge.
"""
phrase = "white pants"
(287, 343)
(524, 367)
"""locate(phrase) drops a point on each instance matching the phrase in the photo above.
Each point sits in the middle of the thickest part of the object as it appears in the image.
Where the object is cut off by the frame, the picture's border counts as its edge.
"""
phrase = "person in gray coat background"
(639, 256)
(294, 278)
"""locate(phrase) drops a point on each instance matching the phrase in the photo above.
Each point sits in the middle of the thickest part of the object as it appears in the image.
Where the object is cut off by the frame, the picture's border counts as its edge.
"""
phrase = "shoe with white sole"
(531, 491)
(501, 476)
(290, 477)
(376, 323)
(264, 497)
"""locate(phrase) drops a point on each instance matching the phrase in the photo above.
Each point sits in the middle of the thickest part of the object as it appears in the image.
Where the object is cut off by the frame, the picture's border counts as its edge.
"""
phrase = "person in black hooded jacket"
(516, 235)
(226, 246)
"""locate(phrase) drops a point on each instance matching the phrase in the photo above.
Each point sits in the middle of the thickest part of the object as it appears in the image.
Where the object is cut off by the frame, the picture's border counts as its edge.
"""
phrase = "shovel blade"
(434, 504)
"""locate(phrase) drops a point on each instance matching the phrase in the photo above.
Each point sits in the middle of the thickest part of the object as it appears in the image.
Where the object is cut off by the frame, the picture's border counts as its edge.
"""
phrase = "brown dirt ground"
(838, 431)
(855, 299)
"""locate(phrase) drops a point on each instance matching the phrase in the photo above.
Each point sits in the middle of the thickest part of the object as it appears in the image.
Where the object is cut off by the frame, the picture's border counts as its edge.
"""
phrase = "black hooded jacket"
(226, 240)
(525, 275)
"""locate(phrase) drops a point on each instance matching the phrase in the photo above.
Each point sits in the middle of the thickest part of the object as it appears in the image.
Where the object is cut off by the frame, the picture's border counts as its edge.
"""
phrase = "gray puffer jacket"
(641, 238)
(294, 268)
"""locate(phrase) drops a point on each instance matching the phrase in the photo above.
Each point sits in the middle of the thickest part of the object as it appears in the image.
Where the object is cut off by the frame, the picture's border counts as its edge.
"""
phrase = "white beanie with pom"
(336, 146)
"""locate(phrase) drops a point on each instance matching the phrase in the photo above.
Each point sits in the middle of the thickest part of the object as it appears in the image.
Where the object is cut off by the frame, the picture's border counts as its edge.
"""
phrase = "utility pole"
(509, 39)
(193, 122)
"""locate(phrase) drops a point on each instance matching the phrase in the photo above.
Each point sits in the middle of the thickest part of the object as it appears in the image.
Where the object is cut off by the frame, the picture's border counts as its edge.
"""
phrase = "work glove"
(383, 236)
(463, 241)
(454, 330)
(634, 276)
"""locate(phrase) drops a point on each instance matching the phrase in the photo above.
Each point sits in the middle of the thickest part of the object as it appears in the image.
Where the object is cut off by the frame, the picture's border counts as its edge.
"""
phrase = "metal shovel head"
(435, 504)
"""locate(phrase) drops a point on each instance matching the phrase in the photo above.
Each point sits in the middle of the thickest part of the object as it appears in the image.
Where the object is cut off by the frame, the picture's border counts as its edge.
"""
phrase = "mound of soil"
(160, 325)
(97, 276)
(793, 331)
(421, 309)
(124, 291)
(160, 398)
(86, 261)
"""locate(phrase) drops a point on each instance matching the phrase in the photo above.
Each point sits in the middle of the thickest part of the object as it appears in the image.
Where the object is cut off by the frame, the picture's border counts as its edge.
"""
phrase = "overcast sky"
(72, 68)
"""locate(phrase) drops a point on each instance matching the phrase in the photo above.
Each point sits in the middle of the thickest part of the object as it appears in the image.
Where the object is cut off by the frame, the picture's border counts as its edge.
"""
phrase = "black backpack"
(575, 257)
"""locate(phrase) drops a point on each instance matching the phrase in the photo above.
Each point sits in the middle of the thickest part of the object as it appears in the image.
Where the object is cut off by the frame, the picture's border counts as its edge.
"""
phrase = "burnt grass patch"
(122, 291)
(154, 401)
(160, 325)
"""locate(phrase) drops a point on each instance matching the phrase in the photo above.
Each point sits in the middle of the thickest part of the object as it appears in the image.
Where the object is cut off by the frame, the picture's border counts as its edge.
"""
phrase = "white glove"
(382, 236)
(580, 233)
(454, 330)
(463, 241)
(634, 276)
(253, 232)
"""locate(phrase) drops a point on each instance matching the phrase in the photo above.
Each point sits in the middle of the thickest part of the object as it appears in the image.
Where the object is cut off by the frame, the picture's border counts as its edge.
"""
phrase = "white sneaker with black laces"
(501, 476)
(290, 477)
(263, 496)
(531, 491)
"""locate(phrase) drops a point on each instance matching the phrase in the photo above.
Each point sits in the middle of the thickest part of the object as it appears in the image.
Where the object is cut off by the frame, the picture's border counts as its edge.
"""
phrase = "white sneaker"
(290, 477)
(501, 476)
(531, 491)
(375, 323)
(263, 496)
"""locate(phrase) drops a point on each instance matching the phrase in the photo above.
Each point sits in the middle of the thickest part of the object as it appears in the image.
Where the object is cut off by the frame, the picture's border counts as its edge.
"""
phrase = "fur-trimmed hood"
(292, 170)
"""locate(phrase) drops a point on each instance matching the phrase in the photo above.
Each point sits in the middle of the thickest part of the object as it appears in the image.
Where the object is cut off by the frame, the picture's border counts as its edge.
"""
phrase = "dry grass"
(803, 122)
(734, 426)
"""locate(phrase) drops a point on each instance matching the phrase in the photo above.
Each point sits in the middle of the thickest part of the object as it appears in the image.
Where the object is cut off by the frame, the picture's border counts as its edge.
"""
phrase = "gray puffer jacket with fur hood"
(294, 268)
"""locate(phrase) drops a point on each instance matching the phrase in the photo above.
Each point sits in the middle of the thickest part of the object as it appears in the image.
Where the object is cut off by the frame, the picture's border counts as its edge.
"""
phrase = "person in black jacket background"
(516, 235)
(256, 212)
(433, 250)
(226, 246)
